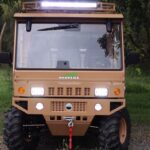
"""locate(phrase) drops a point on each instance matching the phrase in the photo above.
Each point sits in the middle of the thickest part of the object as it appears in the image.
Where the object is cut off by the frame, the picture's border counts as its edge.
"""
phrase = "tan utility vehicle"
(68, 74)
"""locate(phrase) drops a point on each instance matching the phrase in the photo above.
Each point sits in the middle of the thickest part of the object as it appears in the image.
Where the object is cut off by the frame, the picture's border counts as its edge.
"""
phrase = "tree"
(139, 26)
(121, 5)
(8, 8)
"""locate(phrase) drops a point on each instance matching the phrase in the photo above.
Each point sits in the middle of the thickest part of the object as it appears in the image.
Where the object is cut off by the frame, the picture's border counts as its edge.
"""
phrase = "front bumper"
(56, 106)
(54, 111)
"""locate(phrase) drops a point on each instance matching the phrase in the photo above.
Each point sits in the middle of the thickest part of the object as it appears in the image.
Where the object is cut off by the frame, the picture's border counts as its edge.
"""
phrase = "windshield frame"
(72, 21)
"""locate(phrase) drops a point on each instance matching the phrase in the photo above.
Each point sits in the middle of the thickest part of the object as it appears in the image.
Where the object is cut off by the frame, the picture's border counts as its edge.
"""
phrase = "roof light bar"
(46, 4)
(67, 6)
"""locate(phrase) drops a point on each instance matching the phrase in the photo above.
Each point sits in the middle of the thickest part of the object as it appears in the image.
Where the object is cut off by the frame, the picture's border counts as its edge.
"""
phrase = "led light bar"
(46, 4)
(67, 6)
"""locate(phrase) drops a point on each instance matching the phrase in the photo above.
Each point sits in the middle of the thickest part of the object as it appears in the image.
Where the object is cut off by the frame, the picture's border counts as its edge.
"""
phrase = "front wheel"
(16, 136)
(114, 131)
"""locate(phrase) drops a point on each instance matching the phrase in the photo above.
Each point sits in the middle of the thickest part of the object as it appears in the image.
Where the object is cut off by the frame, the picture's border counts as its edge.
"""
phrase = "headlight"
(37, 91)
(102, 92)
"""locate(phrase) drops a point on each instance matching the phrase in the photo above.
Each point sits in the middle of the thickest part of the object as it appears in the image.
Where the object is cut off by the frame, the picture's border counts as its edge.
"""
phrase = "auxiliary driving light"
(117, 91)
(98, 107)
(39, 106)
(102, 92)
(69, 4)
(37, 91)
(21, 90)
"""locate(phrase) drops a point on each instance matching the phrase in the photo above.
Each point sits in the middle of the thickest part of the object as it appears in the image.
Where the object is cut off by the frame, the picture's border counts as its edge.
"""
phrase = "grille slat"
(87, 91)
(60, 91)
(51, 91)
(69, 91)
(78, 91)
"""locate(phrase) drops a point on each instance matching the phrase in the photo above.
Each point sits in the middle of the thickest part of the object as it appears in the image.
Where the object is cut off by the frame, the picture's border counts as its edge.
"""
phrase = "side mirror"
(109, 26)
(5, 58)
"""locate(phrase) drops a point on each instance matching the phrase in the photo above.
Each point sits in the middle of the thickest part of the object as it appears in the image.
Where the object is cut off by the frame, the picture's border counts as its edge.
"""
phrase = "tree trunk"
(1, 35)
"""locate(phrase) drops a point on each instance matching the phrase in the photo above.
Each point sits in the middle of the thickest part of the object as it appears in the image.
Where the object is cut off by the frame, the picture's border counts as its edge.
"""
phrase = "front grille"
(69, 91)
(60, 106)
(57, 106)
(79, 106)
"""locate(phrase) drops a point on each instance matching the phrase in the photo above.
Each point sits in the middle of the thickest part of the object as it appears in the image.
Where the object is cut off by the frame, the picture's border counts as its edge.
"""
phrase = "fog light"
(98, 107)
(39, 106)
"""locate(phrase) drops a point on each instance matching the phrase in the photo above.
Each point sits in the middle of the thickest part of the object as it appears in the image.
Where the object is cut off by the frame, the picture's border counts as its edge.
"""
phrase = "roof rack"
(38, 7)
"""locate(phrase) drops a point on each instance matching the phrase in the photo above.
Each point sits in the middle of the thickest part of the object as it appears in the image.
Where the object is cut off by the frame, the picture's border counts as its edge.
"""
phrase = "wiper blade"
(71, 26)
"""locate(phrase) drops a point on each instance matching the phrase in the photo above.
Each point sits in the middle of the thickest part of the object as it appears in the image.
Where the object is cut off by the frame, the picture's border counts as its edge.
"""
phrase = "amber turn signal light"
(117, 91)
(21, 90)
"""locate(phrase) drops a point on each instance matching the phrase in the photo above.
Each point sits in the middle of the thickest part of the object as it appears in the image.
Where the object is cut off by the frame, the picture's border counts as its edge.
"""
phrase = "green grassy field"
(5, 92)
(137, 94)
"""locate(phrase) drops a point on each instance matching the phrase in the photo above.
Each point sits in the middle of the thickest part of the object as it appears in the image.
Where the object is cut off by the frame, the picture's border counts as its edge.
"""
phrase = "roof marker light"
(47, 4)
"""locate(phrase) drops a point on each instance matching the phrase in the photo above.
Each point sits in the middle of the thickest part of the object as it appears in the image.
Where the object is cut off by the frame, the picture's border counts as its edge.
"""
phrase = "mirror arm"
(109, 26)
(28, 25)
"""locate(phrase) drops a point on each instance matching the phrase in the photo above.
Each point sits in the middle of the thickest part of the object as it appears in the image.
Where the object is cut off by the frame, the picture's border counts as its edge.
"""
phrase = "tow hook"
(70, 121)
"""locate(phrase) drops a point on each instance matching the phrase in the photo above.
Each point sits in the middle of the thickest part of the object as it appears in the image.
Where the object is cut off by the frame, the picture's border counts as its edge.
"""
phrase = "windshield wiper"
(61, 27)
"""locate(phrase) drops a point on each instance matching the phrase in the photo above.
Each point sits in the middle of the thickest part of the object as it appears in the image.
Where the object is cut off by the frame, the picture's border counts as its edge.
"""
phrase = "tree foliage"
(137, 24)
(138, 17)
(7, 9)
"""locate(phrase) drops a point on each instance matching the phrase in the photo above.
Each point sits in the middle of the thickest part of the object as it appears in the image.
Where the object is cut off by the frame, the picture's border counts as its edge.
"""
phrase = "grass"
(5, 92)
(138, 93)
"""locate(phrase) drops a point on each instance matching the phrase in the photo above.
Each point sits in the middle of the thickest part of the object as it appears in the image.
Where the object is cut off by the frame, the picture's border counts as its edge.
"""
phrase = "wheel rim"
(122, 130)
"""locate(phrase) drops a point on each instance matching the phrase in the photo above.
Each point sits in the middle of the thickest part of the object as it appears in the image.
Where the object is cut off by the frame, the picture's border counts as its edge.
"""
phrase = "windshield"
(68, 46)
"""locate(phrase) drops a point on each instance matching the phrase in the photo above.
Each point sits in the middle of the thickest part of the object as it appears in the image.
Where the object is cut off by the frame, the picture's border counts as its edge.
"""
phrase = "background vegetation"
(138, 93)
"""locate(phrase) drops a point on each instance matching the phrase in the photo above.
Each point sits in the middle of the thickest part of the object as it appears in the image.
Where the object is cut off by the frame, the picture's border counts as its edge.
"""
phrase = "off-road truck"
(68, 74)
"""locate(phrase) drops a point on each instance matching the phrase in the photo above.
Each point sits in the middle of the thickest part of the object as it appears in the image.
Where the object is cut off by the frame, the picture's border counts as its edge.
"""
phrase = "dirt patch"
(2, 146)
(140, 140)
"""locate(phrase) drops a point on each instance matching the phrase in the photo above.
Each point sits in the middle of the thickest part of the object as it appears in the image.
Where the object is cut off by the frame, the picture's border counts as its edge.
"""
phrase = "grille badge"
(69, 106)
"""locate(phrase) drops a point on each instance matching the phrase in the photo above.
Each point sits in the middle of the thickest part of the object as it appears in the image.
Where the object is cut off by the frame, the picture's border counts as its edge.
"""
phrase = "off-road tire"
(13, 134)
(109, 137)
